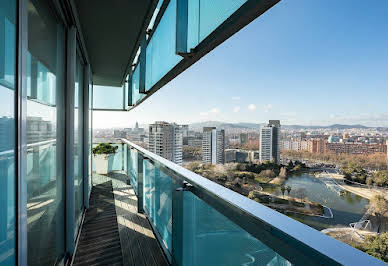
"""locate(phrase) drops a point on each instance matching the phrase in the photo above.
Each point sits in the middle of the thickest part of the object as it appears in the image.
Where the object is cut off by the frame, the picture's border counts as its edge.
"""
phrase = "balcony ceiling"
(111, 31)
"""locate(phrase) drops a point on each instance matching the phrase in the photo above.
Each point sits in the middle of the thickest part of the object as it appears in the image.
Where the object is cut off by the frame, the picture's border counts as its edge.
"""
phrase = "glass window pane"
(132, 169)
(45, 135)
(160, 52)
(119, 158)
(206, 232)
(7, 129)
(90, 144)
(78, 143)
(206, 15)
(157, 200)
(136, 96)
(105, 97)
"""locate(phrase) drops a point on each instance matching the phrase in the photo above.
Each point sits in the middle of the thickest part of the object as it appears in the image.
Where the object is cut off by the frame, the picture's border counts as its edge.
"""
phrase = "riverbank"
(348, 235)
(288, 204)
(339, 180)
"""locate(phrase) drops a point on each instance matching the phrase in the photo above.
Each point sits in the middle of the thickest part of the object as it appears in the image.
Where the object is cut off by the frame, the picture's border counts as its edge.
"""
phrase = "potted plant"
(103, 155)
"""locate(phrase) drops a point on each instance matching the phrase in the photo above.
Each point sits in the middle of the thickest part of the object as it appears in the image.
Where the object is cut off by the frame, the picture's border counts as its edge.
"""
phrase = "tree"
(283, 189)
(369, 181)
(288, 190)
(376, 246)
(194, 166)
(379, 206)
(300, 193)
(380, 178)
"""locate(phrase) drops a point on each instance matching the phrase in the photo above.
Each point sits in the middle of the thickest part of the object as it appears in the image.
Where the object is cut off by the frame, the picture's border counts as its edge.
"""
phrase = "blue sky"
(310, 62)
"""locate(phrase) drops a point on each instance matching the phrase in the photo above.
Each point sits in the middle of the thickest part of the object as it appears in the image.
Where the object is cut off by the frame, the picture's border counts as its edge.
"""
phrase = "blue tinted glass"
(206, 232)
(78, 143)
(135, 85)
(193, 24)
(119, 158)
(45, 135)
(157, 200)
(160, 53)
(206, 15)
(7, 45)
(132, 168)
(7, 128)
(105, 97)
(125, 87)
(90, 170)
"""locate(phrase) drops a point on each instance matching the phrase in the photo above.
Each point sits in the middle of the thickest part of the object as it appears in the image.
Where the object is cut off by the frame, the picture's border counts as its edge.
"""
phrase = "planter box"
(103, 163)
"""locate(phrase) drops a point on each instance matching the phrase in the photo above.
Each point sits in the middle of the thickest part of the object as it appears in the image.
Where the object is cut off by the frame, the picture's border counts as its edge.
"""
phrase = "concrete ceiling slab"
(111, 31)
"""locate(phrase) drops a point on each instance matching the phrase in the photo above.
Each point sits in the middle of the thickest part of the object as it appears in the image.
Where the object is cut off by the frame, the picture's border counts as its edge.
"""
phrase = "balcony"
(160, 213)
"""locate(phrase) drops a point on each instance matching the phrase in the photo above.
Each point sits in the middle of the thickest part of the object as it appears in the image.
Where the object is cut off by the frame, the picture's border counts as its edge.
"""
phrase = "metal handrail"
(31, 145)
(291, 239)
(40, 143)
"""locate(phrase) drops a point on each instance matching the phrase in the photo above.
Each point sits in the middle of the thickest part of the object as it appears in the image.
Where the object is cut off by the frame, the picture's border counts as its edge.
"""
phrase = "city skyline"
(326, 66)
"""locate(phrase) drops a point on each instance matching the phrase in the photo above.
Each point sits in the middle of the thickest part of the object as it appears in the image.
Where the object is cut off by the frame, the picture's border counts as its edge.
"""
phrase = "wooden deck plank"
(113, 232)
(99, 245)
(127, 202)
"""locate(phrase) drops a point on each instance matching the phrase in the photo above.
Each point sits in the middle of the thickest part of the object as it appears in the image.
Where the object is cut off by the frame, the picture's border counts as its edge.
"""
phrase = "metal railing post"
(177, 221)
(140, 174)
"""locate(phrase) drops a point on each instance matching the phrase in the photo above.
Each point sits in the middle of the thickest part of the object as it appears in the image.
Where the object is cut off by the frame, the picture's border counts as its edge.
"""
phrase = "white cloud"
(214, 110)
(289, 114)
(251, 107)
(236, 98)
(211, 111)
(236, 109)
(267, 107)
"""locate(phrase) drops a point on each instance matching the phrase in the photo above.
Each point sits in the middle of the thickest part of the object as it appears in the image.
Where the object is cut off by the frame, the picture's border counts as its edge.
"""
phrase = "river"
(347, 207)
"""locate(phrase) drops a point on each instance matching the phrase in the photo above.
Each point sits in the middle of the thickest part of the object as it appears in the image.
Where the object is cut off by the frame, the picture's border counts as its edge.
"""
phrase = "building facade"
(270, 142)
(177, 149)
(166, 140)
(355, 148)
(213, 146)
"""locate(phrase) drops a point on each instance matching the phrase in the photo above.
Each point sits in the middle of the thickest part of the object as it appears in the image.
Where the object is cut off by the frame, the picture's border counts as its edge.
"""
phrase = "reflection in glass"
(7, 131)
(206, 232)
(78, 134)
(160, 52)
(105, 97)
(157, 188)
(205, 16)
(90, 134)
(45, 134)
(132, 169)
(135, 85)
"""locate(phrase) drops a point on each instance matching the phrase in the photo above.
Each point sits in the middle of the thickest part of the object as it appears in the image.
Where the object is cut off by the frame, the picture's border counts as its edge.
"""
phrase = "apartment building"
(166, 140)
(213, 145)
(270, 142)
(355, 148)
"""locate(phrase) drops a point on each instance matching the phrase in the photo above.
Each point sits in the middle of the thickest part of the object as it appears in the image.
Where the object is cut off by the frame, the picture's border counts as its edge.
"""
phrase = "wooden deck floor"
(113, 232)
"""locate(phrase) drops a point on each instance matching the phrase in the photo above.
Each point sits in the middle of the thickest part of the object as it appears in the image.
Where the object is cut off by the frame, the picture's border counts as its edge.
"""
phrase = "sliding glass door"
(7, 131)
(45, 134)
(78, 142)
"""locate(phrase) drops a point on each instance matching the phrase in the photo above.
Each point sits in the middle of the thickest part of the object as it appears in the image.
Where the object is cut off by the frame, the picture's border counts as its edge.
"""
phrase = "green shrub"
(376, 246)
(105, 148)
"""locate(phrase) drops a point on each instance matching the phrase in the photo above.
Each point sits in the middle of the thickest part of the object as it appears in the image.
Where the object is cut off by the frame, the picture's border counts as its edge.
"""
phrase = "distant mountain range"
(223, 125)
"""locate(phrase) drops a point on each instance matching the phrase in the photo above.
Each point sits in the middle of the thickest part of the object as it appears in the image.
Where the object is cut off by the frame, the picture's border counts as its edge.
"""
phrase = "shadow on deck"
(113, 232)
